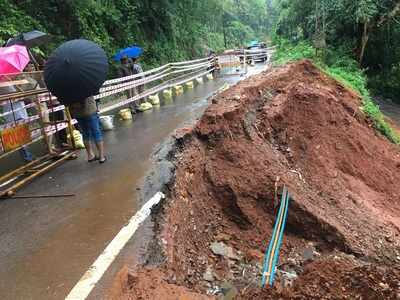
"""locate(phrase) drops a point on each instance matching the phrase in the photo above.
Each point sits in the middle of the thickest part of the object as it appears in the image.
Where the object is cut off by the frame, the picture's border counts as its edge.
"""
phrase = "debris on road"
(341, 174)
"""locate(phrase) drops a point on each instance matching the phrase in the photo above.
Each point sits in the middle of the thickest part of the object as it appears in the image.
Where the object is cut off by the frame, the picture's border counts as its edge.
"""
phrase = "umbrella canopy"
(254, 43)
(131, 52)
(76, 70)
(13, 59)
(30, 39)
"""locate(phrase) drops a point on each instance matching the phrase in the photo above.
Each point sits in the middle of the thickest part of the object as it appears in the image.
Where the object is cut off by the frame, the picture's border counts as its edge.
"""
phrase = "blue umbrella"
(131, 52)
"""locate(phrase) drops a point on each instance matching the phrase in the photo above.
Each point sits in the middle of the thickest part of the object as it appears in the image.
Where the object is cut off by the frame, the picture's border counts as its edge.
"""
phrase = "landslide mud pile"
(297, 127)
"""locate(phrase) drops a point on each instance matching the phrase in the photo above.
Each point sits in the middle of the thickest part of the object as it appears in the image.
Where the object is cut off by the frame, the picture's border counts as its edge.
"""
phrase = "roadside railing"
(154, 81)
(26, 115)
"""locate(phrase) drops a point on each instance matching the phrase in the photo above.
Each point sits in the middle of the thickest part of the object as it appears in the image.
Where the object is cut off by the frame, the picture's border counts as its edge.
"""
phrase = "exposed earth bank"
(292, 126)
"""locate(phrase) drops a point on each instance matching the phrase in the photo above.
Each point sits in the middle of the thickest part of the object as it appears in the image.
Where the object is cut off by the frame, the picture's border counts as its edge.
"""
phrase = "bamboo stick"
(16, 171)
(10, 191)
(42, 196)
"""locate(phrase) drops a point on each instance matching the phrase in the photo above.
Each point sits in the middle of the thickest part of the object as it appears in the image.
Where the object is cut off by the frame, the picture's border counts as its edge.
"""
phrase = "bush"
(344, 69)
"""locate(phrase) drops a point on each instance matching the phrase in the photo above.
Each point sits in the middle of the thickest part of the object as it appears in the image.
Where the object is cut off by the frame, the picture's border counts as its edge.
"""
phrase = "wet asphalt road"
(48, 244)
(390, 109)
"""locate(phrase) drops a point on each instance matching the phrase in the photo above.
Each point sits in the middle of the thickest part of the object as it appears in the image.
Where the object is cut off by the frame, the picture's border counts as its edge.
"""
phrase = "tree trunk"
(224, 25)
(364, 41)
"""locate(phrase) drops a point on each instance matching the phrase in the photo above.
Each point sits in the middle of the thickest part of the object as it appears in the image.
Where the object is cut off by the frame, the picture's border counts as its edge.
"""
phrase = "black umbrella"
(76, 70)
(30, 39)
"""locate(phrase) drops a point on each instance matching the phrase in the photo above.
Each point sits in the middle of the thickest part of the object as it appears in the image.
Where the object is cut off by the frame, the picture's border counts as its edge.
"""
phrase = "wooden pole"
(21, 169)
(42, 196)
(10, 191)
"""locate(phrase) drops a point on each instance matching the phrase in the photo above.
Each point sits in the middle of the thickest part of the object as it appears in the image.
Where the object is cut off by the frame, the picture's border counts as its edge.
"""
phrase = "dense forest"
(167, 29)
(365, 30)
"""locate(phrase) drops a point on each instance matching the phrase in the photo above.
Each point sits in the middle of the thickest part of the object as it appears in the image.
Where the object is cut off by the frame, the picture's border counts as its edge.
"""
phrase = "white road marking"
(88, 281)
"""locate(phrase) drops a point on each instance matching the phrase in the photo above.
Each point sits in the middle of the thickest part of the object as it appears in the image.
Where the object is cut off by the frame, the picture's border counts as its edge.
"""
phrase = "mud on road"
(292, 126)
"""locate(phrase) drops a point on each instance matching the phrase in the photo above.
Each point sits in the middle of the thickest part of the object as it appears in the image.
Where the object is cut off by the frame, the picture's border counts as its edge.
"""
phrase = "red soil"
(297, 127)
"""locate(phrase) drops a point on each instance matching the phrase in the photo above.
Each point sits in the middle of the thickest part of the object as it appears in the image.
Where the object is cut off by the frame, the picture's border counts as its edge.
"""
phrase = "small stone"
(222, 237)
(208, 274)
(229, 291)
(308, 253)
(288, 278)
(254, 254)
(384, 286)
(236, 97)
(221, 249)
(389, 239)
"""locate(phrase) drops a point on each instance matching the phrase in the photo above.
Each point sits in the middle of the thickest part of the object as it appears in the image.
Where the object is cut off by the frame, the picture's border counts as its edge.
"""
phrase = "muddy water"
(47, 244)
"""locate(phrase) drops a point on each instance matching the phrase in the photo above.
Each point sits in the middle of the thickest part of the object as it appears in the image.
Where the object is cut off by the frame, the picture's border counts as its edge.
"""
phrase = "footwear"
(93, 159)
(103, 160)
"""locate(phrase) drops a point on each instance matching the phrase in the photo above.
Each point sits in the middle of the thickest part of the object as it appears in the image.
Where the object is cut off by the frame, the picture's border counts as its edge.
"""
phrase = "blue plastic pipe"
(267, 258)
(278, 246)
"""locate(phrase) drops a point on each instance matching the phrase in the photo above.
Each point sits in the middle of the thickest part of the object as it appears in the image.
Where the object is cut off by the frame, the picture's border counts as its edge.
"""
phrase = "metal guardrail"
(152, 81)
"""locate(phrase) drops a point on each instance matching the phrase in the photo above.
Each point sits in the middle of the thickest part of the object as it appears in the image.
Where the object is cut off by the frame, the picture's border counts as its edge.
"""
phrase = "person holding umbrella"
(124, 70)
(13, 60)
(86, 114)
(137, 69)
(74, 73)
(129, 66)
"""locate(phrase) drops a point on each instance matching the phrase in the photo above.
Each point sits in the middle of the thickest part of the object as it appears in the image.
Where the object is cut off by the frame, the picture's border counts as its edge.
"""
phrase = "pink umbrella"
(13, 59)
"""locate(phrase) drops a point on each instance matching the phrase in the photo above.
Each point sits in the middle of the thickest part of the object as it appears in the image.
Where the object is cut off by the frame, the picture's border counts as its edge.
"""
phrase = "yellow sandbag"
(225, 87)
(167, 94)
(154, 99)
(78, 139)
(210, 76)
(189, 84)
(145, 106)
(125, 114)
(199, 80)
(178, 90)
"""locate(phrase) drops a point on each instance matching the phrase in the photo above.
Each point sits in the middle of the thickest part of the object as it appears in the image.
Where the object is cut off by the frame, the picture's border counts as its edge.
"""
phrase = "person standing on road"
(86, 114)
(137, 69)
(124, 70)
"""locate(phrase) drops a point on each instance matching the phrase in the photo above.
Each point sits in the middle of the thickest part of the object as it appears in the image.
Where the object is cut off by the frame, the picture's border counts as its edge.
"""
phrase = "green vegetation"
(168, 30)
(366, 30)
(344, 69)
(343, 37)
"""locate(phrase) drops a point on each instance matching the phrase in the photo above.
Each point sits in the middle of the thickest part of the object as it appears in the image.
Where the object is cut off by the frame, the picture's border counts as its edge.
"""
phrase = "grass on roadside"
(345, 70)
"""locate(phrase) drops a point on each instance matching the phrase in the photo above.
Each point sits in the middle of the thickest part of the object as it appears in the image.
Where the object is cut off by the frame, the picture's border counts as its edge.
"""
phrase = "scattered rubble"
(220, 248)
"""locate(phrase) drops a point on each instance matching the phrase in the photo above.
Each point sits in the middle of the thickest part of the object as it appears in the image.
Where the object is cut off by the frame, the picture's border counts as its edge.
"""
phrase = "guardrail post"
(43, 125)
